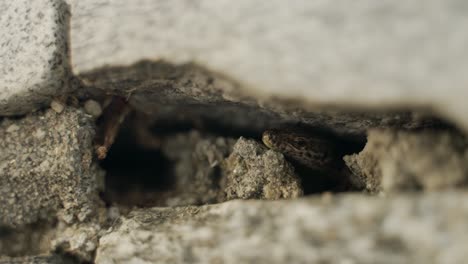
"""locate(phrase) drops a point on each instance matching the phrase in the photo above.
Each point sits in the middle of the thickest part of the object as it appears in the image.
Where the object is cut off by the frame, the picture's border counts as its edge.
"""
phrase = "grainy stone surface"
(361, 54)
(255, 172)
(33, 53)
(46, 168)
(79, 240)
(394, 161)
(199, 167)
(427, 228)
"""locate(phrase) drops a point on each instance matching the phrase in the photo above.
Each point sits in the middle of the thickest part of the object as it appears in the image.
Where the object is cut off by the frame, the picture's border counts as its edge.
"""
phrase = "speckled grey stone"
(33, 53)
(422, 228)
(46, 169)
(362, 54)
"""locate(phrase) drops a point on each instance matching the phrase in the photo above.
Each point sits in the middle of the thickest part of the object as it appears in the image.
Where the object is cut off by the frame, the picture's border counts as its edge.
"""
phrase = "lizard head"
(270, 138)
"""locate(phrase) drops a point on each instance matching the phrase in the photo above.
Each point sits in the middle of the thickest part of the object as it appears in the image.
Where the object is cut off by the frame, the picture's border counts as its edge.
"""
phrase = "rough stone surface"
(198, 170)
(255, 172)
(33, 53)
(394, 161)
(78, 239)
(361, 54)
(426, 228)
(46, 168)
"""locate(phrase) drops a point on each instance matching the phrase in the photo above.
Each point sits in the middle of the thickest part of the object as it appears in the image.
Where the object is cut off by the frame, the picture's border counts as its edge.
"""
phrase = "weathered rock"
(49, 184)
(255, 172)
(33, 53)
(394, 161)
(380, 54)
(46, 168)
(198, 169)
(427, 228)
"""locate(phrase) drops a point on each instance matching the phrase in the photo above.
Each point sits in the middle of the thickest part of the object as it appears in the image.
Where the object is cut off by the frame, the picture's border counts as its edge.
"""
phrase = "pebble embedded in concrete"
(93, 108)
(57, 106)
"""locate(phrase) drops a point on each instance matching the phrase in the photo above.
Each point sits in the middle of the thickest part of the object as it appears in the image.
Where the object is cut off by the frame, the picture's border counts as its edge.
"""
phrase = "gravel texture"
(46, 168)
(198, 169)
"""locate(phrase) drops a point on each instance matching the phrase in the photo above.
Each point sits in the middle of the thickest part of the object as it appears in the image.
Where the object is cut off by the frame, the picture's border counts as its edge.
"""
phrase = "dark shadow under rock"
(190, 93)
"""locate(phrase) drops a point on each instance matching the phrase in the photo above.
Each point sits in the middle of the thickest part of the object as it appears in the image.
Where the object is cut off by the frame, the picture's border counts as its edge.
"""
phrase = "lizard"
(316, 152)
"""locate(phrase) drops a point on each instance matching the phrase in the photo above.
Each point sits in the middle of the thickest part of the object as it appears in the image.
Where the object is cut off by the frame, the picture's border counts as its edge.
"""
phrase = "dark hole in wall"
(135, 174)
(190, 92)
(333, 179)
(317, 181)
(137, 171)
(329, 179)
(139, 174)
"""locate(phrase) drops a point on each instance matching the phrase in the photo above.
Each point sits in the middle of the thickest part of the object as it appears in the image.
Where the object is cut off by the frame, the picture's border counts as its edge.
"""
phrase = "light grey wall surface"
(361, 54)
(34, 63)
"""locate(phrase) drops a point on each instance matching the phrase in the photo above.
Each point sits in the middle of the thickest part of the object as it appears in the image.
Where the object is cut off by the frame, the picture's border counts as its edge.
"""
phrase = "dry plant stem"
(112, 118)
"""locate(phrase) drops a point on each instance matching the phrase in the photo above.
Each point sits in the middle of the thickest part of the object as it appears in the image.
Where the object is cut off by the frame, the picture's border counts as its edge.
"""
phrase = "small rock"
(198, 170)
(395, 161)
(57, 106)
(12, 128)
(93, 108)
(254, 172)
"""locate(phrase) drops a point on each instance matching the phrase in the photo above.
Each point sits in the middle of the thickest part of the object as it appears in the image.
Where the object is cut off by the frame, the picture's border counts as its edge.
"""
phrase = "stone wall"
(178, 94)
